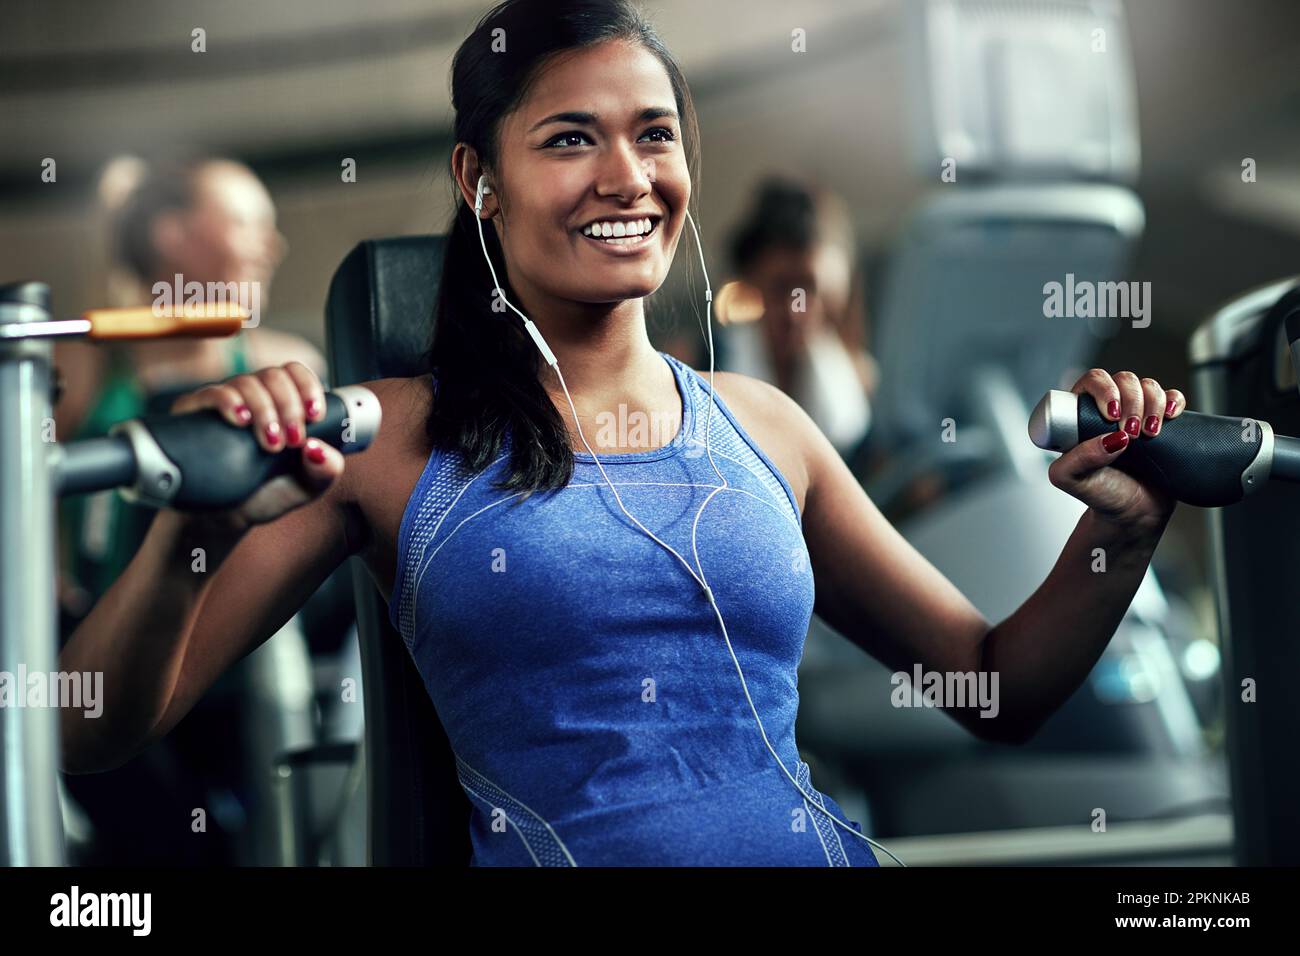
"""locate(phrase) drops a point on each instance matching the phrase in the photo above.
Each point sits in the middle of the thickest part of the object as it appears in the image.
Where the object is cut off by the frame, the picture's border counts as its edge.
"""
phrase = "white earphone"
(699, 578)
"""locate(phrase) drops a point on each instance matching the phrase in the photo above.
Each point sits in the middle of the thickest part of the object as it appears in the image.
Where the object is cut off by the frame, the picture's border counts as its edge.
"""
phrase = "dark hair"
(485, 366)
(167, 184)
(788, 214)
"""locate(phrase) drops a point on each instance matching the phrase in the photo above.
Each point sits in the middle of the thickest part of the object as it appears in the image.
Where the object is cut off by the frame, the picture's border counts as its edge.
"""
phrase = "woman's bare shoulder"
(406, 395)
(401, 443)
(738, 389)
(378, 482)
(405, 404)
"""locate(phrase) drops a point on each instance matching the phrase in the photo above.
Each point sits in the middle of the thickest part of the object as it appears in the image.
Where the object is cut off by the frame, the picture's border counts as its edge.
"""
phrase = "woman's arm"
(874, 587)
(202, 592)
(882, 594)
(1044, 651)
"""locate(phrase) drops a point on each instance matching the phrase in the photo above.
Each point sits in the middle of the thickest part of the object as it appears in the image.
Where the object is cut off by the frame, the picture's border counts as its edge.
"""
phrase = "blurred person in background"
(205, 219)
(208, 220)
(796, 318)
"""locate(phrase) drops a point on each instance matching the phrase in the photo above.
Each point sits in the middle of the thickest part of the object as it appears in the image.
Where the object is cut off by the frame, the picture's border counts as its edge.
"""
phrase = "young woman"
(616, 674)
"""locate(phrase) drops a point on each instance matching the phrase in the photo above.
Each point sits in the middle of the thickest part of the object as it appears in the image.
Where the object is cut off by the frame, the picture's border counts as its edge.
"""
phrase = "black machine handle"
(197, 461)
(1203, 460)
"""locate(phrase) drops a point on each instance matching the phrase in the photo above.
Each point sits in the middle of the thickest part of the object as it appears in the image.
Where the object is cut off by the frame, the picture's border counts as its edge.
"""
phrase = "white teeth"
(638, 226)
(619, 233)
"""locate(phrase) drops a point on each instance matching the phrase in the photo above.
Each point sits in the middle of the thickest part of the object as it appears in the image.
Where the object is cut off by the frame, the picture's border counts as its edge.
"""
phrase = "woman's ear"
(485, 203)
(468, 171)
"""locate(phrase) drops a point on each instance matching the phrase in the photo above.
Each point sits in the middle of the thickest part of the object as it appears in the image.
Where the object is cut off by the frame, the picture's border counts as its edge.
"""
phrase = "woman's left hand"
(1138, 407)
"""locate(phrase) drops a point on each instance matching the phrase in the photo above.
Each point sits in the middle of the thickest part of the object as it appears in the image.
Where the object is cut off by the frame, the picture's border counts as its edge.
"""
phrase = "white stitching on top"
(801, 777)
(787, 511)
(488, 803)
(820, 839)
(422, 532)
(804, 776)
(427, 560)
(550, 831)
(743, 443)
(687, 484)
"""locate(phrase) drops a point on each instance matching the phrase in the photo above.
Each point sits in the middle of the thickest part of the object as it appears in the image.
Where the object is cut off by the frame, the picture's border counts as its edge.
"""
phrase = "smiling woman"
(581, 120)
(577, 147)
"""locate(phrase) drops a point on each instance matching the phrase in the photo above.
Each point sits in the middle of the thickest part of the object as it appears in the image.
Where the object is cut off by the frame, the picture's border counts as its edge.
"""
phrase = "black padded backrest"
(377, 325)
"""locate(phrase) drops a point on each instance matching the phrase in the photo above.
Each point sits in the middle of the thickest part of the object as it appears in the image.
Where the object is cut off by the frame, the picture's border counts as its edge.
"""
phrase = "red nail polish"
(313, 408)
(1114, 441)
(1113, 408)
(272, 432)
(1133, 426)
(1153, 424)
(293, 433)
(243, 414)
(1169, 407)
(315, 452)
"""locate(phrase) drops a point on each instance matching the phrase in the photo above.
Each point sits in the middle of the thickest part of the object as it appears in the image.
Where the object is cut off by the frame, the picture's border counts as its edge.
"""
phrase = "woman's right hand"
(276, 403)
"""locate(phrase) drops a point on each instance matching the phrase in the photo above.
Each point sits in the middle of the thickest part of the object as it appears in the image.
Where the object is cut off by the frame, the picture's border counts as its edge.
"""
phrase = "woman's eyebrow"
(582, 118)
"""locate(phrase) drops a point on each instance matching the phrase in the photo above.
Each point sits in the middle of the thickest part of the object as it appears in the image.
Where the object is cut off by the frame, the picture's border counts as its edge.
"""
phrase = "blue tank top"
(594, 710)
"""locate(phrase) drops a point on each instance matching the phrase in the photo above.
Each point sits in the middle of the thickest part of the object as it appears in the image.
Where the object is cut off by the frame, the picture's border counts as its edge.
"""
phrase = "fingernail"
(1153, 424)
(1114, 441)
(272, 432)
(1133, 426)
(293, 434)
(243, 414)
(1113, 408)
(313, 408)
(1170, 406)
(315, 452)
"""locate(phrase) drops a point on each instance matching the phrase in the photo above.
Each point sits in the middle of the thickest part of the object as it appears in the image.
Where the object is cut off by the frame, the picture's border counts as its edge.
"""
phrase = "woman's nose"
(626, 173)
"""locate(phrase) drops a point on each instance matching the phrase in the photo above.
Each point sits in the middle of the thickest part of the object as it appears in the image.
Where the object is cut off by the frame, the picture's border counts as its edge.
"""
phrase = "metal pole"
(31, 820)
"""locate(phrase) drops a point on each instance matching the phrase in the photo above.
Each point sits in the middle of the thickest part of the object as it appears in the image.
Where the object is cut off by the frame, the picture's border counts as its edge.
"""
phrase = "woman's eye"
(563, 136)
(661, 133)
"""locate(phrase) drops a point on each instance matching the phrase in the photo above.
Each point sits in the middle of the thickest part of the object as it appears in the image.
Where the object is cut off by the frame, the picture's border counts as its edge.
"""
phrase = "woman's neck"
(607, 360)
(600, 347)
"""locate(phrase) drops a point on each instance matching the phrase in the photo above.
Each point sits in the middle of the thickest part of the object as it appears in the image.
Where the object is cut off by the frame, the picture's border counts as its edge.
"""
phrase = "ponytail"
(485, 370)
